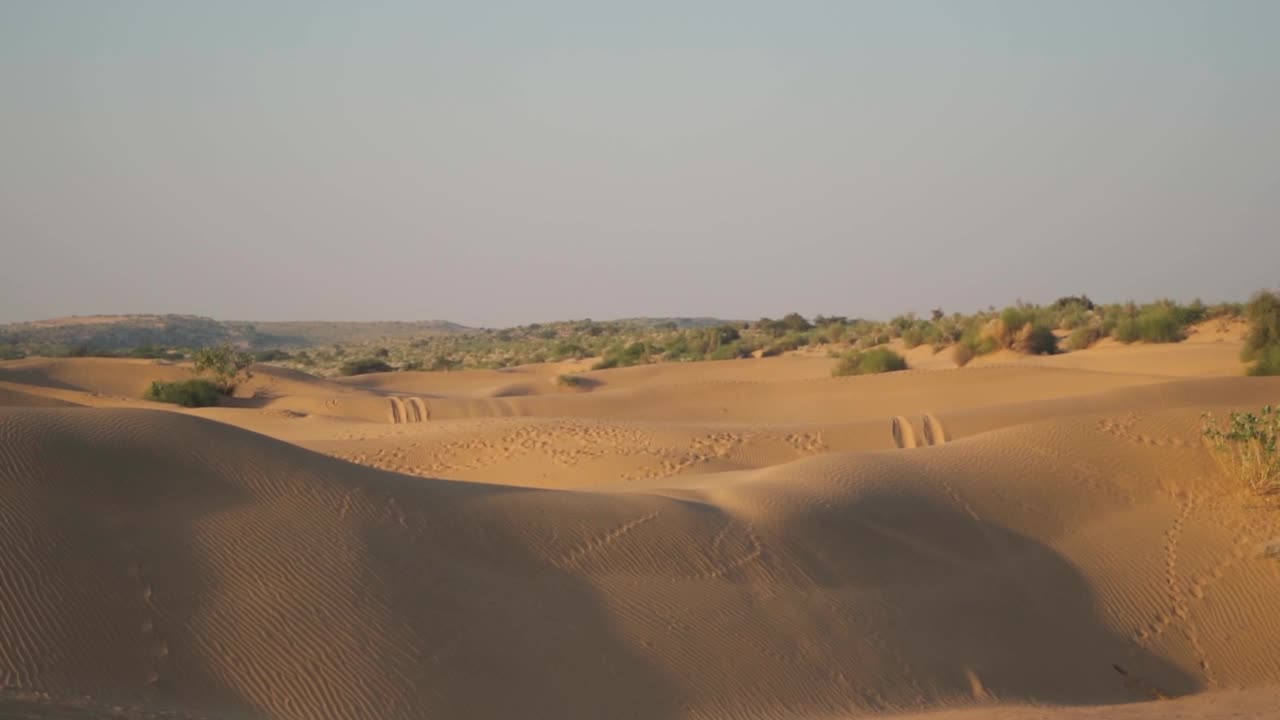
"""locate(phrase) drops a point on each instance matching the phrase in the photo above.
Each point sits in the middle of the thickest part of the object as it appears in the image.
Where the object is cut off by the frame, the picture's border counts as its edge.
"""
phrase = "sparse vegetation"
(572, 381)
(1245, 444)
(342, 348)
(870, 362)
(196, 392)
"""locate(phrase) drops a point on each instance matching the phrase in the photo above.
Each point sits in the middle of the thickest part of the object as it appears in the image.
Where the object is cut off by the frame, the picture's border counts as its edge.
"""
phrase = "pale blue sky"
(499, 163)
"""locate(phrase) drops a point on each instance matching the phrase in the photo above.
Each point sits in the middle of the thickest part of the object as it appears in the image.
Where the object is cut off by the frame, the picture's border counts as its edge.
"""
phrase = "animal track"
(135, 570)
(1122, 428)
(569, 559)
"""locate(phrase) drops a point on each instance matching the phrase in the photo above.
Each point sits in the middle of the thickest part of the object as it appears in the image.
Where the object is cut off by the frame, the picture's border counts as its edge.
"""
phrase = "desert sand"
(1020, 538)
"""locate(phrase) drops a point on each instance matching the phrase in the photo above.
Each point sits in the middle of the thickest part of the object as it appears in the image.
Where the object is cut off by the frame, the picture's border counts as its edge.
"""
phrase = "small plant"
(187, 393)
(870, 362)
(576, 382)
(1246, 446)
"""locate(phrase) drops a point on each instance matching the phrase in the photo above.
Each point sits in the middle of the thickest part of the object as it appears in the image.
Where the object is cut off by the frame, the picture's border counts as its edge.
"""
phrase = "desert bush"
(566, 349)
(732, 351)
(444, 363)
(187, 393)
(572, 381)
(364, 366)
(1262, 344)
(1012, 321)
(1266, 361)
(228, 367)
(1035, 339)
(1083, 337)
(870, 362)
(912, 337)
(1245, 444)
(1224, 310)
(795, 322)
(791, 341)
(961, 354)
(1080, 301)
(11, 353)
(1153, 324)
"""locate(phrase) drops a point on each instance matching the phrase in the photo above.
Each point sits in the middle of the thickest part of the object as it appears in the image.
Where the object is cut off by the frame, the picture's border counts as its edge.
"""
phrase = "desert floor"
(1020, 538)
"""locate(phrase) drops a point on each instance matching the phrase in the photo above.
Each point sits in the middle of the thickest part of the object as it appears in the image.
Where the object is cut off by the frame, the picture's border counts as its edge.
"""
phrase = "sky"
(501, 163)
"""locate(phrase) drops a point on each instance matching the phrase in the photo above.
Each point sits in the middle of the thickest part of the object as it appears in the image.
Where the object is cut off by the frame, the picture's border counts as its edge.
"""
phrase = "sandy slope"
(743, 539)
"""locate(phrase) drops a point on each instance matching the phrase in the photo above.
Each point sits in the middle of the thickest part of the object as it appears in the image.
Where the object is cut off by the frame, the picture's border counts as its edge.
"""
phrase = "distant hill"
(88, 333)
(119, 332)
(308, 333)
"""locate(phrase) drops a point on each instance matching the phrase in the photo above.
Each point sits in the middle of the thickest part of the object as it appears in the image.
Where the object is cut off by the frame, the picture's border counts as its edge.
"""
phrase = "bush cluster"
(192, 393)
(869, 362)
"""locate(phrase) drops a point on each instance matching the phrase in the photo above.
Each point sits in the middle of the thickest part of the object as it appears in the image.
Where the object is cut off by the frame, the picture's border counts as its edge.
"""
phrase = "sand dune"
(741, 539)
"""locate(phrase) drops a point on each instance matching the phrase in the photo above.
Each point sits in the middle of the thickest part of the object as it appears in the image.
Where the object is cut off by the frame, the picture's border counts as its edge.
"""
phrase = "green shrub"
(444, 363)
(566, 350)
(227, 366)
(364, 366)
(792, 341)
(732, 351)
(1079, 301)
(1263, 313)
(1153, 324)
(624, 356)
(912, 337)
(1246, 446)
(870, 362)
(1266, 361)
(187, 393)
(1014, 319)
(1083, 337)
(572, 381)
(795, 322)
